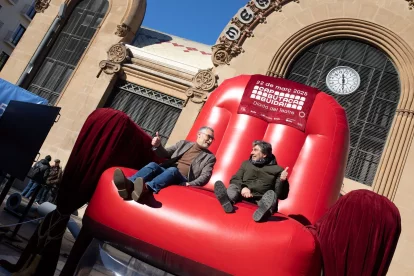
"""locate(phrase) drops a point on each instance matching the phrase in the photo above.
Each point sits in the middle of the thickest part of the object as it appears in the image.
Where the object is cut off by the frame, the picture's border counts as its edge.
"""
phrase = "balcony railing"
(3, 59)
(14, 37)
(29, 11)
(14, 2)
(8, 37)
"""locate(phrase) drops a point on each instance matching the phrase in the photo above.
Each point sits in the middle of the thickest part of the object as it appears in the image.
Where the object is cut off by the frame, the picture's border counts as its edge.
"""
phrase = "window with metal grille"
(3, 59)
(370, 109)
(151, 110)
(66, 52)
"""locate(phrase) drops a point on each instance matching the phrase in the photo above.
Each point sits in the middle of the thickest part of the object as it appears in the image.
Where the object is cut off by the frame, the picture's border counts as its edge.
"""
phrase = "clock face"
(343, 80)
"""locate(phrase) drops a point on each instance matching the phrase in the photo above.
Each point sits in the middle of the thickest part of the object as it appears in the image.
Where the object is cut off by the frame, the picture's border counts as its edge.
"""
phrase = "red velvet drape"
(107, 139)
(359, 234)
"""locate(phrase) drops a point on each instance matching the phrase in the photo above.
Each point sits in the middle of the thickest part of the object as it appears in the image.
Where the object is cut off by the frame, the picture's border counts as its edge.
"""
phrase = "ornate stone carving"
(195, 96)
(109, 67)
(118, 55)
(122, 30)
(203, 82)
(41, 5)
(410, 4)
(241, 27)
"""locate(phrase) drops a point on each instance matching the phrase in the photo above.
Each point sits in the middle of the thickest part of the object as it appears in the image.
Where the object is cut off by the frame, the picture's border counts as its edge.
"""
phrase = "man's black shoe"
(140, 189)
(221, 194)
(123, 184)
(265, 206)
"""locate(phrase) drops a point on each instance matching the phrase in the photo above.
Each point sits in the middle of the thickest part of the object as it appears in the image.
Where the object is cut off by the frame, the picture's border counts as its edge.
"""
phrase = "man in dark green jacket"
(259, 180)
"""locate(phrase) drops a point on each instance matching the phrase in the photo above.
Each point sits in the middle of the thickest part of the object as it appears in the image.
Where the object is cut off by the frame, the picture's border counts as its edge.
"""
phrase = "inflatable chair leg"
(79, 247)
(89, 259)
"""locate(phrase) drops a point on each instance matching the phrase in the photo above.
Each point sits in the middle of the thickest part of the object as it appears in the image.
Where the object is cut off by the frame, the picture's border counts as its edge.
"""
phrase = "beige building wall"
(12, 14)
(394, 177)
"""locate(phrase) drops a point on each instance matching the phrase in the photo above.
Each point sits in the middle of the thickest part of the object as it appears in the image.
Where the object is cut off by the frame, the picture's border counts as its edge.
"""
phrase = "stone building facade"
(299, 40)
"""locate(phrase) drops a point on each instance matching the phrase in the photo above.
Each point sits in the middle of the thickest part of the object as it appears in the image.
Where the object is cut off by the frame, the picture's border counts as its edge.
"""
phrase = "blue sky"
(196, 20)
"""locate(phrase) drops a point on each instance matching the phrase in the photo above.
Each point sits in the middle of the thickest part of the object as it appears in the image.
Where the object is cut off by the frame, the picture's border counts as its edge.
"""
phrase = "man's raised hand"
(284, 174)
(156, 141)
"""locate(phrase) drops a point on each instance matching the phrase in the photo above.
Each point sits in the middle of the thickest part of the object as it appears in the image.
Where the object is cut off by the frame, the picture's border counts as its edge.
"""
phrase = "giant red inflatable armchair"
(184, 231)
(191, 228)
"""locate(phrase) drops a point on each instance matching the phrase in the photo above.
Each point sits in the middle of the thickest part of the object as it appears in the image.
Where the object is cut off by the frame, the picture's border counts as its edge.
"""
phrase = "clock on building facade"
(364, 80)
(343, 80)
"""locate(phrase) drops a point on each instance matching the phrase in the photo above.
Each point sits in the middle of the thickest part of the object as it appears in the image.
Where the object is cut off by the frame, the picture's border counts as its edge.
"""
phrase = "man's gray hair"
(265, 147)
(204, 128)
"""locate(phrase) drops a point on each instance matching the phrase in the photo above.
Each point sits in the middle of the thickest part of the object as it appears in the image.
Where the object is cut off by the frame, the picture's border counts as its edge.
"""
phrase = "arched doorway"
(370, 104)
(71, 43)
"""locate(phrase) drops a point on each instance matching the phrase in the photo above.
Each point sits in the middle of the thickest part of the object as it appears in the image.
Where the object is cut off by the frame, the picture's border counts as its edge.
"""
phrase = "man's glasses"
(210, 137)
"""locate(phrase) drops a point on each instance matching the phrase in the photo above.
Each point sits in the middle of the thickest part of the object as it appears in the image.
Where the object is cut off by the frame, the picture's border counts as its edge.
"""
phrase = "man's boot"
(266, 206)
(123, 184)
(220, 191)
(140, 188)
(275, 206)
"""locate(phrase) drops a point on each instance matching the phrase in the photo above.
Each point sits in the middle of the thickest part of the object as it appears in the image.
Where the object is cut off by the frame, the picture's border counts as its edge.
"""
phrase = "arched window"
(370, 108)
(68, 48)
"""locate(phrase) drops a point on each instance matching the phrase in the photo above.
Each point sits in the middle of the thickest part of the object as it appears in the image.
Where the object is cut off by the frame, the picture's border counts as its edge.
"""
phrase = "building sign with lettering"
(262, 4)
(278, 100)
(232, 32)
(246, 16)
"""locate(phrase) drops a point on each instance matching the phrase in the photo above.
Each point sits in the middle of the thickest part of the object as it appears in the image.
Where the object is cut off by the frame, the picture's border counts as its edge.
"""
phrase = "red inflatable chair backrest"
(316, 157)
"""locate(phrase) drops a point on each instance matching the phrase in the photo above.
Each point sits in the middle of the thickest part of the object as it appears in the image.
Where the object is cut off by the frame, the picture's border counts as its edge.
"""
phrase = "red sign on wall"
(277, 100)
